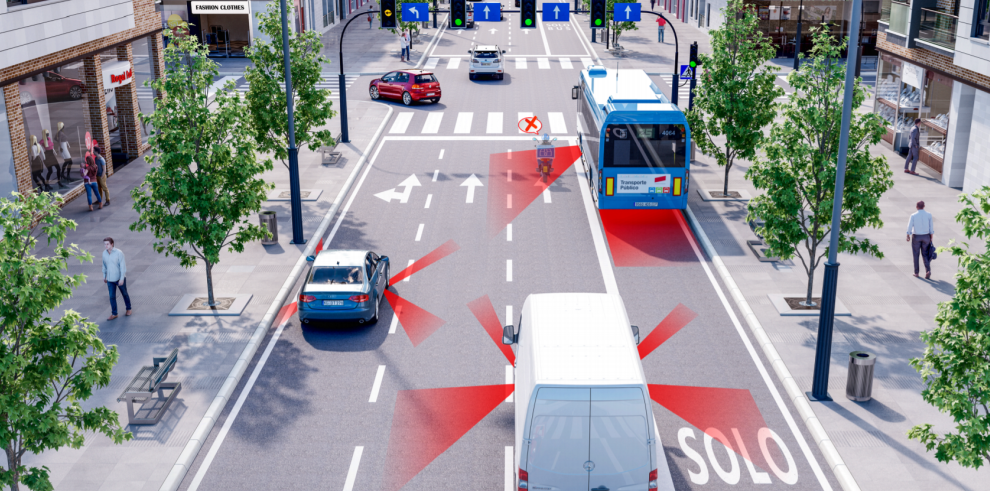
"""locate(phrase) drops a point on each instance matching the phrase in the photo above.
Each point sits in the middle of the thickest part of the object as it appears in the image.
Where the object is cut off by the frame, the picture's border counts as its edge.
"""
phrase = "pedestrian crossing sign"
(686, 72)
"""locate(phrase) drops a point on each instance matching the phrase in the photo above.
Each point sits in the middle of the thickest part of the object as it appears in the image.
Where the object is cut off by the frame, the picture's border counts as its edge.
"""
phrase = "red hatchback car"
(409, 86)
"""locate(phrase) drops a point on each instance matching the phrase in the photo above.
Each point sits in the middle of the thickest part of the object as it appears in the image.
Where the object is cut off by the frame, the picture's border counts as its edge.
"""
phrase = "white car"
(486, 60)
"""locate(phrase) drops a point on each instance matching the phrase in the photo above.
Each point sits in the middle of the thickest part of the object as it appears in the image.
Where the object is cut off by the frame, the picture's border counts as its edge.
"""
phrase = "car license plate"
(431, 93)
(486, 64)
(333, 302)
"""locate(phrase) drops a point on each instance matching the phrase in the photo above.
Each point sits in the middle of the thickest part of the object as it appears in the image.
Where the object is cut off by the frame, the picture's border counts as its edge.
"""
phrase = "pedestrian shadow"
(942, 286)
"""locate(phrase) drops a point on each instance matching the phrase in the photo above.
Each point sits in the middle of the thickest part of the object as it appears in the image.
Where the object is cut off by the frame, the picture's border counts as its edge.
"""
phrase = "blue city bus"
(634, 142)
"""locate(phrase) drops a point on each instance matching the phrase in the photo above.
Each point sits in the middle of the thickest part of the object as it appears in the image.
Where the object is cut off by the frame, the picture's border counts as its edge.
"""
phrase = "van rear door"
(620, 440)
(559, 439)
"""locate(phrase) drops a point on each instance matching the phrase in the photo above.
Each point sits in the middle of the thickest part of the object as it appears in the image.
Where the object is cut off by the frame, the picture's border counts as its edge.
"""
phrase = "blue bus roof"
(628, 86)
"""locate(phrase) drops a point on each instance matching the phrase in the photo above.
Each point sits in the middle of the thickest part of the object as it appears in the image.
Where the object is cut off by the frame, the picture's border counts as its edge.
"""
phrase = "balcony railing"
(938, 28)
(900, 15)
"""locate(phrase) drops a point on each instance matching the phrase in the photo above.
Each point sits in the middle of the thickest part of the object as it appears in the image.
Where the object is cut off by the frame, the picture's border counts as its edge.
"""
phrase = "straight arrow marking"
(471, 183)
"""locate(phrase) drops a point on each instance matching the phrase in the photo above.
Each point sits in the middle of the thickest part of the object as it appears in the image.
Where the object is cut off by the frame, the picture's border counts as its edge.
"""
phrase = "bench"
(147, 382)
(329, 156)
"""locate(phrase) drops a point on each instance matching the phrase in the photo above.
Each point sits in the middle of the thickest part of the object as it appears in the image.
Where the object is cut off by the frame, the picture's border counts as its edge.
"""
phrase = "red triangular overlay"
(525, 184)
(675, 320)
(445, 249)
(485, 313)
(418, 323)
(427, 422)
(646, 238)
(722, 409)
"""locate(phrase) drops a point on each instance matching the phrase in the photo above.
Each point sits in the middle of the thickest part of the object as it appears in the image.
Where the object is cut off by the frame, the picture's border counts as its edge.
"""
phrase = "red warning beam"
(515, 182)
(417, 322)
(647, 238)
(446, 249)
(675, 320)
(484, 311)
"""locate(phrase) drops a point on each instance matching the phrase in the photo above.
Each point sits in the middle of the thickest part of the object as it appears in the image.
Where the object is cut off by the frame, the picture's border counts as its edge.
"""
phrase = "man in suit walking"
(914, 150)
(920, 231)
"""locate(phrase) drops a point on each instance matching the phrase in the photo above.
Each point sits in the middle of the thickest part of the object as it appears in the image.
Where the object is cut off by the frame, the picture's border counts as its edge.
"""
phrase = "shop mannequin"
(51, 160)
(38, 164)
(62, 149)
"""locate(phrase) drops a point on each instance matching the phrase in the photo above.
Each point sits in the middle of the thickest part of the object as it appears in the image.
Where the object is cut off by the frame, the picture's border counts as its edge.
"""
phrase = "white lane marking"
(463, 124)
(401, 122)
(432, 122)
(352, 471)
(587, 62)
(508, 201)
(604, 262)
(471, 183)
(557, 124)
(508, 314)
(543, 63)
(494, 123)
(411, 261)
(431, 63)
(436, 173)
(509, 381)
(508, 175)
(429, 198)
(520, 63)
(419, 232)
(510, 154)
(453, 63)
(441, 154)
(565, 63)
(510, 471)
(378, 384)
(395, 321)
(521, 116)
(546, 195)
(508, 270)
(508, 233)
(543, 33)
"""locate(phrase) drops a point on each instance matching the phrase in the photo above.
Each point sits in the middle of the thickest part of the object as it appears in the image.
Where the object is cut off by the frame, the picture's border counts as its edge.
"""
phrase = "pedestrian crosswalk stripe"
(520, 63)
(524, 115)
(543, 63)
(401, 122)
(433, 122)
(463, 124)
(494, 123)
(586, 62)
(565, 63)
(453, 63)
(557, 124)
(431, 63)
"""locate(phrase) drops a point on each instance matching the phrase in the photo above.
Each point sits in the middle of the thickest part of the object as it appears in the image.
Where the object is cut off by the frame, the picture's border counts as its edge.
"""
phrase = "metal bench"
(147, 382)
(329, 156)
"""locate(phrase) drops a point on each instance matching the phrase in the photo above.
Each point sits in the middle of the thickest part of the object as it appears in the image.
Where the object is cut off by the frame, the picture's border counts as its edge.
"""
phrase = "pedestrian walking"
(653, 3)
(101, 175)
(115, 276)
(405, 46)
(88, 171)
(920, 231)
(914, 150)
(660, 24)
(369, 17)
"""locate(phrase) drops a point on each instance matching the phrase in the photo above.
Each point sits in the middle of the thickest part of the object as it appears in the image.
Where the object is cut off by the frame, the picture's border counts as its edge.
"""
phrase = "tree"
(956, 365)
(204, 182)
(47, 367)
(735, 99)
(266, 97)
(618, 27)
(798, 169)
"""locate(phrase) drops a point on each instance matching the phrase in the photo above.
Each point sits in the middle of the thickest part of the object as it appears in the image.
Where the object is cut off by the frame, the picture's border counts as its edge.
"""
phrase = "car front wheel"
(374, 93)
(407, 99)
(76, 92)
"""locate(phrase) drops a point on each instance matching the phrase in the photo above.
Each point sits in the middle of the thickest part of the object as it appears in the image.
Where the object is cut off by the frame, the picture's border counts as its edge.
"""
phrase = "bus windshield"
(645, 145)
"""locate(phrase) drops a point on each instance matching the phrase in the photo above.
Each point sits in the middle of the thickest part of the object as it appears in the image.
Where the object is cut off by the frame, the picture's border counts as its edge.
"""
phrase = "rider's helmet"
(546, 138)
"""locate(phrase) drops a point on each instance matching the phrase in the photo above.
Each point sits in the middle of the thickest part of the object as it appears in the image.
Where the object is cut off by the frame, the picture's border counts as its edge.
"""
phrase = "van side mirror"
(574, 92)
(509, 334)
(635, 330)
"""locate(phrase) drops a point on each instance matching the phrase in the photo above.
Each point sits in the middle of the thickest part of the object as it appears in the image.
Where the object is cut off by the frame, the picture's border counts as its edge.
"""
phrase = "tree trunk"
(13, 464)
(209, 284)
(725, 182)
(811, 283)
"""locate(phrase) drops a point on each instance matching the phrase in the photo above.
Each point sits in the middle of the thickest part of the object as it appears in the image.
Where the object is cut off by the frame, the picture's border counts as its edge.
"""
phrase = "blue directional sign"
(626, 12)
(487, 12)
(556, 12)
(415, 12)
(685, 72)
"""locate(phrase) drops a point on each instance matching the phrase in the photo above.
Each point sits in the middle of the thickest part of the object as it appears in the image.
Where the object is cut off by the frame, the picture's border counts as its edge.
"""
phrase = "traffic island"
(789, 304)
(197, 304)
(716, 195)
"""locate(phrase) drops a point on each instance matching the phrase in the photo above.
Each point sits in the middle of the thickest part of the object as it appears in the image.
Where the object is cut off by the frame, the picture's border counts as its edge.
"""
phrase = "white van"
(583, 415)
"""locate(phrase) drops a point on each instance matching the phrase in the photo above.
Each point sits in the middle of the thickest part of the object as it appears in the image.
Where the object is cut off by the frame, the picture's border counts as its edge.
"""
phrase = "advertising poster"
(820, 12)
(785, 13)
(774, 13)
(764, 13)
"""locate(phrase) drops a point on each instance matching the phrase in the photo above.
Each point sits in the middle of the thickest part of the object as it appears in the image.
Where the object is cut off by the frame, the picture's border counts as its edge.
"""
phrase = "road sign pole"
(295, 194)
(435, 14)
(343, 90)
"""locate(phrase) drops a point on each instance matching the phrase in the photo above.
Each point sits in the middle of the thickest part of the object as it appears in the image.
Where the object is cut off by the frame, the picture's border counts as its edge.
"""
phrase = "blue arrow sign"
(685, 72)
(626, 12)
(556, 12)
(415, 12)
(487, 12)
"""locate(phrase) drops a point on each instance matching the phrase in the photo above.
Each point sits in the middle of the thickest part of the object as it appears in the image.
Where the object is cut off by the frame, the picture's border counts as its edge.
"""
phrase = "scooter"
(544, 157)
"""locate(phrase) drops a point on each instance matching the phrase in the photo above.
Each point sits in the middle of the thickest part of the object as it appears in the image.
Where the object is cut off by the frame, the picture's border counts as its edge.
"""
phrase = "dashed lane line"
(377, 386)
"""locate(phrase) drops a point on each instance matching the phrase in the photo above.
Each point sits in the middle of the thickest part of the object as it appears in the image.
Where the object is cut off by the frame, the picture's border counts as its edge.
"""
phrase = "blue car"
(344, 285)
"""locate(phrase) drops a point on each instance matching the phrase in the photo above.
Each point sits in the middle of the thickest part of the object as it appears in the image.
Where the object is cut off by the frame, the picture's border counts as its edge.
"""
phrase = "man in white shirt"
(920, 231)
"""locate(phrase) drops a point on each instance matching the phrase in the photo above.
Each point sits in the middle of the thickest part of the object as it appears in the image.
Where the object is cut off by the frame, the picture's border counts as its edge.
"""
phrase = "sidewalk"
(208, 346)
(889, 309)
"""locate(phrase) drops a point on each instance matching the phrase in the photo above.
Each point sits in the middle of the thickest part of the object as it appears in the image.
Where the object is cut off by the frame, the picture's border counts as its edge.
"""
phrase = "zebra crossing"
(331, 82)
(683, 92)
(431, 123)
(520, 63)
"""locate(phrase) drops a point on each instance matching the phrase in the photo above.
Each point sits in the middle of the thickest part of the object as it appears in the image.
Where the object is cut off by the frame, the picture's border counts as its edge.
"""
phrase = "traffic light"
(458, 17)
(597, 14)
(693, 60)
(388, 14)
(527, 19)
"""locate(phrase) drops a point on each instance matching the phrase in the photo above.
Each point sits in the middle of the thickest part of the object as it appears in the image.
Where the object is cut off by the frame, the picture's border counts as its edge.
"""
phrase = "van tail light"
(306, 298)
(653, 479)
(523, 480)
(359, 298)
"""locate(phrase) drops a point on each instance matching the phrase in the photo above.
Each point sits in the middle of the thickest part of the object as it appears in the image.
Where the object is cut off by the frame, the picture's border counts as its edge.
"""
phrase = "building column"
(96, 104)
(128, 109)
(18, 141)
(957, 138)
(157, 43)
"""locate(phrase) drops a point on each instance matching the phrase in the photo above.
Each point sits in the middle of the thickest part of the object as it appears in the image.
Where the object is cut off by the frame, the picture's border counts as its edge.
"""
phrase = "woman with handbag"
(89, 172)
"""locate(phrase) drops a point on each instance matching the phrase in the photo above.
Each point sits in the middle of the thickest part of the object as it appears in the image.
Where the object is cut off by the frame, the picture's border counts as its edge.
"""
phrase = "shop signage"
(117, 74)
(221, 8)
(912, 74)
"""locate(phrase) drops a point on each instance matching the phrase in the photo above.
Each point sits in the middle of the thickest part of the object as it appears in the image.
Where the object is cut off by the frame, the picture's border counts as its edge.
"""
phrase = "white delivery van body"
(583, 415)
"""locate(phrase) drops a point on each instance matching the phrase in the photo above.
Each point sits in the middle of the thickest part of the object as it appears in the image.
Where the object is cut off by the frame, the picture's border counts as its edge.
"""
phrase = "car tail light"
(306, 298)
(523, 480)
(359, 298)
(475, 60)
(653, 479)
(417, 87)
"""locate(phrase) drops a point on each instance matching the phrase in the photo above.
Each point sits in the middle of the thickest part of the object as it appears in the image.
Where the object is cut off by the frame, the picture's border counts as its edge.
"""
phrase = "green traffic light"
(598, 22)
(457, 21)
(529, 22)
(693, 64)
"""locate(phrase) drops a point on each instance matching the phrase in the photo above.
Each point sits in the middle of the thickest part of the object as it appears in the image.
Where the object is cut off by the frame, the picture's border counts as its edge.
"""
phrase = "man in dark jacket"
(914, 150)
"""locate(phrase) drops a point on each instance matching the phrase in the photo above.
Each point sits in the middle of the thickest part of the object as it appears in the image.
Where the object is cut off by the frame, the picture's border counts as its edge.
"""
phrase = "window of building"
(8, 176)
(982, 20)
(142, 73)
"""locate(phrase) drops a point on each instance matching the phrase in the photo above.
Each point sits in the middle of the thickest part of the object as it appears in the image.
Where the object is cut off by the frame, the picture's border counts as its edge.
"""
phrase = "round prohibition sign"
(531, 124)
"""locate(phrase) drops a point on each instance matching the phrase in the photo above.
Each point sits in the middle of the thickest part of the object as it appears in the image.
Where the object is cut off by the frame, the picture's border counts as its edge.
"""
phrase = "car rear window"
(425, 79)
(486, 54)
(336, 275)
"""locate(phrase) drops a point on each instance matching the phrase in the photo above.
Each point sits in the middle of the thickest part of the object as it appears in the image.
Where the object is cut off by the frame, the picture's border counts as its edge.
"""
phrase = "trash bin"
(268, 222)
(859, 383)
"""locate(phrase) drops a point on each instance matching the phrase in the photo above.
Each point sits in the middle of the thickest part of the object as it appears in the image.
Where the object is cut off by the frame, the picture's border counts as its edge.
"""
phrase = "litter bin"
(268, 222)
(859, 383)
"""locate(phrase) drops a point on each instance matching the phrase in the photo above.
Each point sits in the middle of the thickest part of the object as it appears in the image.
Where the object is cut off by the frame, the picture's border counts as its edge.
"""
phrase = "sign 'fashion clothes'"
(221, 8)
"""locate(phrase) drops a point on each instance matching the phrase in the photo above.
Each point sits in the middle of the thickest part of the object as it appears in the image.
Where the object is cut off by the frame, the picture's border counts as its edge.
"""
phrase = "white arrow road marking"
(492, 30)
(403, 197)
(471, 183)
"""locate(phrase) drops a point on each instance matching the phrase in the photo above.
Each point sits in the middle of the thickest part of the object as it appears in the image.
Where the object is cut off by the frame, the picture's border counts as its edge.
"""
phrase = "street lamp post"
(294, 191)
(826, 317)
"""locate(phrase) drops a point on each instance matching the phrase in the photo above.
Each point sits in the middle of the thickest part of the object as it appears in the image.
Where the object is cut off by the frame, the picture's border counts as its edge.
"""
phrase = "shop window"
(981, 24)
(8, 176)
(938, 100)
(143, 73)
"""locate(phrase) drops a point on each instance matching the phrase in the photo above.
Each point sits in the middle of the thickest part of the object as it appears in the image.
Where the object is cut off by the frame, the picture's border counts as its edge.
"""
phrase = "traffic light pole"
(677, 49)
(295, 193)
(435, 7)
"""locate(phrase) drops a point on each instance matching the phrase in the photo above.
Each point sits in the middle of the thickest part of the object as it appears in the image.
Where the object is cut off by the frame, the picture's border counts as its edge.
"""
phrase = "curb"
(798, 398)
(202, 433)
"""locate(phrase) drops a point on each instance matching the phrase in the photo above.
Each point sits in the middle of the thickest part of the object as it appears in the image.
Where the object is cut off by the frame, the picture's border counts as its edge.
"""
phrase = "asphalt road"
(333, 405)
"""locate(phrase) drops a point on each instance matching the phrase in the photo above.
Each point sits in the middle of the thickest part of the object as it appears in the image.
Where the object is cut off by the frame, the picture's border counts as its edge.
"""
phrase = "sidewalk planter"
(708, 194)
(279, 194)
(780, 302)
(268, 222)
(196, 304)
(859, 382)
